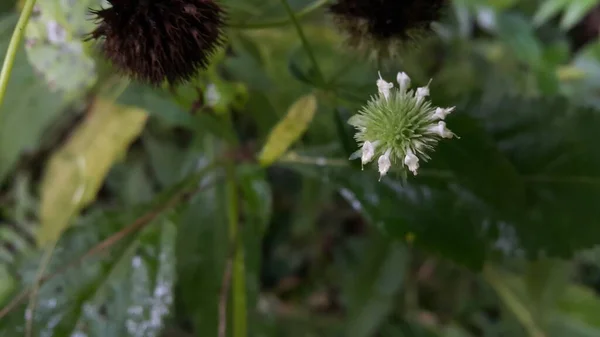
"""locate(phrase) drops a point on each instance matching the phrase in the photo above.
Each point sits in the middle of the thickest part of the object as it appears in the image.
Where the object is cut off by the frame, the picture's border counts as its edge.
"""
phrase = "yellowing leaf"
(77, 170)
(289, 129)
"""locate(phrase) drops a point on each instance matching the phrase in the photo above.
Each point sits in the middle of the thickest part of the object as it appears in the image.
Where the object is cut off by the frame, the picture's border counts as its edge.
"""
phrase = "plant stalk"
(13, 48)
(304, 40)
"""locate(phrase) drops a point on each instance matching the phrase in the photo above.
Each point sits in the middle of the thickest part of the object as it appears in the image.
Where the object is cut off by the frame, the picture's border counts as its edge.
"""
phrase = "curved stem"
(280, 21)
(13, 47)
(304, 40)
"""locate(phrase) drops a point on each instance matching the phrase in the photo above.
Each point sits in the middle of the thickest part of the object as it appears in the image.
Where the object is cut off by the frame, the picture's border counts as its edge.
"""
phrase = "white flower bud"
(384, 163)
(212, 95)
(403, 81)
(411, 161)
(440, 129)
(441, 113)
(384, 87)
(422, 92)
(368, 151)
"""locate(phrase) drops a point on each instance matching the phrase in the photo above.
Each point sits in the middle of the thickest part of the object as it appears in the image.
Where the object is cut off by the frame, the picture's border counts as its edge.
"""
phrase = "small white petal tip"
(441, 113)
(422, 92)
(403, 81)
(441, 130)
(368, 151)
(384, 163)
(384, 87)
(411, 161)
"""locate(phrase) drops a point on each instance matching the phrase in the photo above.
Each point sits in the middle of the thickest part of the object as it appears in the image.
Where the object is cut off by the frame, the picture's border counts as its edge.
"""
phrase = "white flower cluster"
(399, 124)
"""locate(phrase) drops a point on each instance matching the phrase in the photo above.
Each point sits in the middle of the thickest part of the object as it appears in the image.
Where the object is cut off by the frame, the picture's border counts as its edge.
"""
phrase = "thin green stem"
(13, 47)
(280, 21)
(240, 320)
(304, 40)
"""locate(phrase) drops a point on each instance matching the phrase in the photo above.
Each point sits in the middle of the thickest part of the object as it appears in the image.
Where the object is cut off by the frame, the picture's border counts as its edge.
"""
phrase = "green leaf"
(127, 292)
(541, 184)
(586, 66)
(167, 160)
(518, 34)
(289, 129)
(203, 251)
(437, 218)
(512, 294)
(571, 312)
(549, 141)
(28, 107)
(582, 305)
(548, 9)
(130, 181)
(256, 193)
(6, 6)
(374, 288)
(256, 215)
(575, 12)
(477, 164)
(55, 47)
(157, 104)
(76, 171)
(111, 274)
(546, 281)
(7, 283)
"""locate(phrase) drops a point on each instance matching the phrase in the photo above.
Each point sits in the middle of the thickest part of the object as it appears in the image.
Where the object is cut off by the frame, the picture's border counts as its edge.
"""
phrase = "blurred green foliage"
(229, 203)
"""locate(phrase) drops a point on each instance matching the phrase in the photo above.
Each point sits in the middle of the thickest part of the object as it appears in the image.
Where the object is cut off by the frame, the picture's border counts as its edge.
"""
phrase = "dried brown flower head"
(159, 40)
(381, 27)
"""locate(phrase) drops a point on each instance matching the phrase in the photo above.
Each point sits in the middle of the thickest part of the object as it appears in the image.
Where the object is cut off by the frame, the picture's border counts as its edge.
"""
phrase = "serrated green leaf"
(481, 168)
(436, 217)
(289, 129)
(553, 170)
(125, 290)
(549, 141)
(127, 293)
(77, 170)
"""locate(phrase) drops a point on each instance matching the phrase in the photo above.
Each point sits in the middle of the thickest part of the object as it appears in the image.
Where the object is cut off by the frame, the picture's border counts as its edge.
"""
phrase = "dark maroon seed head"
(159, 40)
(385, 19)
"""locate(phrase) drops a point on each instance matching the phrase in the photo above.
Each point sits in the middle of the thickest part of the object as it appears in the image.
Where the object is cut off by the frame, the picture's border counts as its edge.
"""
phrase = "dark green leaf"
(375, 286)
(126, 293)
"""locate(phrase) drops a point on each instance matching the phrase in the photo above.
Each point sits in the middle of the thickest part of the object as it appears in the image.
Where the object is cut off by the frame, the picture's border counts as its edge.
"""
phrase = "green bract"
(399, 123)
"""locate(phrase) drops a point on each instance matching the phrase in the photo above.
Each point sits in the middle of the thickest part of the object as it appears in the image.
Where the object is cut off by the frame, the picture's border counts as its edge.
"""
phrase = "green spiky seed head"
(399, 124)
